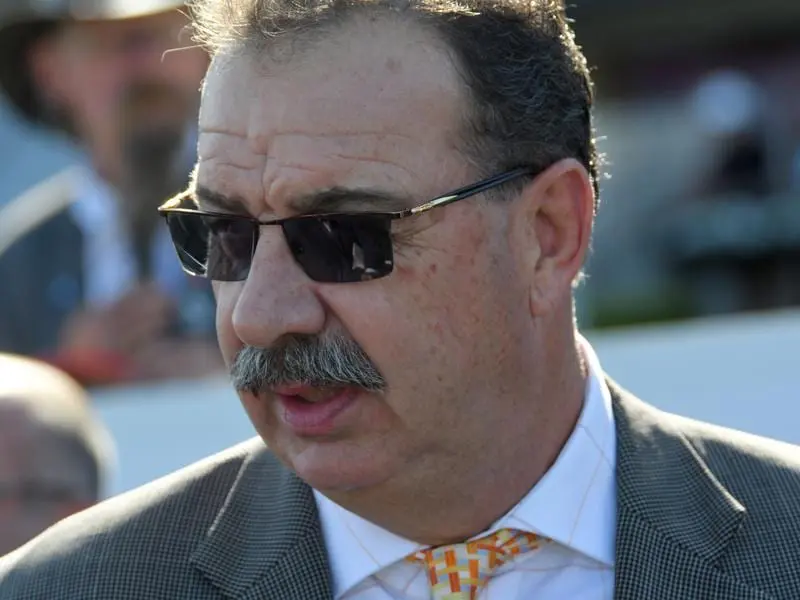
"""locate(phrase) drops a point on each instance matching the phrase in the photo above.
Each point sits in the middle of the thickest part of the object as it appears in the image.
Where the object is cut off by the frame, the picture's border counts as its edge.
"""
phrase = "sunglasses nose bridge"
(271, 251)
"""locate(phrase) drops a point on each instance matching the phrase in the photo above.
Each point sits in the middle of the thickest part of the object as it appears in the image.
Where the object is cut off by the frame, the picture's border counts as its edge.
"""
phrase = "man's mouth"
(308, 393)
(312, 411)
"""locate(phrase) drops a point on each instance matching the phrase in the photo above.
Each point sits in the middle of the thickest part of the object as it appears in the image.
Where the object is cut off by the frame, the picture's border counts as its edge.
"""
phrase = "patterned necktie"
(459, 571)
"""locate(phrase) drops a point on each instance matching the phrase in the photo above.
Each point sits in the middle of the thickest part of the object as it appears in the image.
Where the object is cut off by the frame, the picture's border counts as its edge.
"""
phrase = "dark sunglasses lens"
(218, 248)
(341, 249)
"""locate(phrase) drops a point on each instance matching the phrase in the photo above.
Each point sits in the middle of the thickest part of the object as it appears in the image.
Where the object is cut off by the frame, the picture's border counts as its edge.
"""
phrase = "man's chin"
(338, 467)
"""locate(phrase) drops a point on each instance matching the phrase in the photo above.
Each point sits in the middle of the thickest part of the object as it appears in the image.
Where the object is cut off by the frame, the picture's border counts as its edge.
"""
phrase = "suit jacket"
(703, 513)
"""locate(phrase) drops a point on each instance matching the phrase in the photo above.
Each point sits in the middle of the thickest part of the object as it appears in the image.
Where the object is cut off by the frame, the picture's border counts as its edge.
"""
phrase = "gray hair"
(327, 360)
(530, 88)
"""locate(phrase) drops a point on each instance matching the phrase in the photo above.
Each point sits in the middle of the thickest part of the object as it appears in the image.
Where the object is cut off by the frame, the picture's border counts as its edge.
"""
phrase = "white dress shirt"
(574, 505)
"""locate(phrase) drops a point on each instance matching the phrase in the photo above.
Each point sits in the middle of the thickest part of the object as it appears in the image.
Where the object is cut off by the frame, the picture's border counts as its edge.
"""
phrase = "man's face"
(374, 109)
(118, 87)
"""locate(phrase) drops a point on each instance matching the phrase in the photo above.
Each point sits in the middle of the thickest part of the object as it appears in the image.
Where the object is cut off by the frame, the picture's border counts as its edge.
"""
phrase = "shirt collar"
(574, 504)
(356, 547)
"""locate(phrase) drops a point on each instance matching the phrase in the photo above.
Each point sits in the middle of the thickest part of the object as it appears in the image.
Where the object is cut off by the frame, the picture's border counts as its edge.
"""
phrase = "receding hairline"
(290, 45)
(221, 32)
(225, 25)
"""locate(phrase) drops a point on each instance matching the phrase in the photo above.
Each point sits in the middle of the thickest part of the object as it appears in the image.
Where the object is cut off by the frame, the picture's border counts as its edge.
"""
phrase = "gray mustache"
(319, 361)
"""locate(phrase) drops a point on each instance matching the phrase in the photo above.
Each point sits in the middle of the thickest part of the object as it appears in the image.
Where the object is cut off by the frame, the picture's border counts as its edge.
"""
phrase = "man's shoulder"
(742, 462)
(747, 465)
(144, 537)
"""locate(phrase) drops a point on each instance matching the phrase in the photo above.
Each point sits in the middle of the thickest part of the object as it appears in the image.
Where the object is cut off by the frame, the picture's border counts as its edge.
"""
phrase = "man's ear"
(49, 70)
(550, 231)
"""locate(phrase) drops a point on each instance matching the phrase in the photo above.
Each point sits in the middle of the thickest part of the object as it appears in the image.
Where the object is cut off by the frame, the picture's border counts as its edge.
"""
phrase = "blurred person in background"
(95, 287)
(727, 242)
(54, 453)
(730, 110)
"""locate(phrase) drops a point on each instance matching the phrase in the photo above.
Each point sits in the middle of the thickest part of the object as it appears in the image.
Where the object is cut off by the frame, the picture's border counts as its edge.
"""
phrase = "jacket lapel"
(266, 542)
(675, 520)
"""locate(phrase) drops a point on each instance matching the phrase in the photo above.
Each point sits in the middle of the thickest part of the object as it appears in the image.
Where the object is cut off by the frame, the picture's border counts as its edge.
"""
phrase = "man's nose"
(277, 298)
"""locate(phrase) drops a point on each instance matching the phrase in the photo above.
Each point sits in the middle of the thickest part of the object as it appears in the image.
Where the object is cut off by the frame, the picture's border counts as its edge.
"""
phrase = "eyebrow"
(341, 199)
(207, 198)
(336, 199)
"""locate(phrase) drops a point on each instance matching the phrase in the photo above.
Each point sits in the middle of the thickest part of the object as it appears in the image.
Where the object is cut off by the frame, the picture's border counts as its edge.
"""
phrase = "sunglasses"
(330, 248)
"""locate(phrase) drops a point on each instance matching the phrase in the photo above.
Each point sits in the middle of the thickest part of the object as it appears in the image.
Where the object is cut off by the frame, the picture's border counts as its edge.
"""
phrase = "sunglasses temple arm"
(468, 191)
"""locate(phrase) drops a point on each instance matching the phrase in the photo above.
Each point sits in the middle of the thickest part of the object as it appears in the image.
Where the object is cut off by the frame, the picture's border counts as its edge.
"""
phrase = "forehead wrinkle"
(206, 130)
(299, 196)
(228, 167)
(340, 156)
(213, 142)
(263, 139)
(362, 146)
(371, 159)
(264, 143)
(295, 183)
(217, 150)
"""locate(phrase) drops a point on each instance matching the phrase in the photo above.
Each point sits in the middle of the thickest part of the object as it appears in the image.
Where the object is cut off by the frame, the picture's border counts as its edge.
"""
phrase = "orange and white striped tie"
(460, 571)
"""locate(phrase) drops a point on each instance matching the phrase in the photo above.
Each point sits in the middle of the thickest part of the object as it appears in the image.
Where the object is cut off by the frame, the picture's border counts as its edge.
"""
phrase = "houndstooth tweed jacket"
(703, 513)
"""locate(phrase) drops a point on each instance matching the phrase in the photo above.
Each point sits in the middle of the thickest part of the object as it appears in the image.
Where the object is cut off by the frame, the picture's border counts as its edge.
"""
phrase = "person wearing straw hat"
(83, 248)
